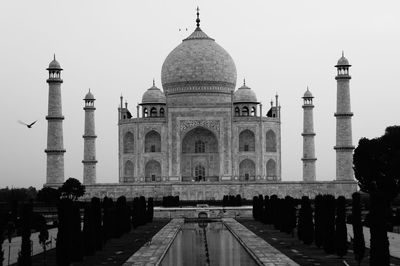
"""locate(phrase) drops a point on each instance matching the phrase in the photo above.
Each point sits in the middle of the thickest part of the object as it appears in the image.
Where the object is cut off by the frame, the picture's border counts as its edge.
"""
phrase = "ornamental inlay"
(189, 124)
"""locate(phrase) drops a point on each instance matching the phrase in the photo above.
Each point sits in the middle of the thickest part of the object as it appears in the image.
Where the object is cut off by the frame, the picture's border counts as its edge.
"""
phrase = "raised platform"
(216, 190)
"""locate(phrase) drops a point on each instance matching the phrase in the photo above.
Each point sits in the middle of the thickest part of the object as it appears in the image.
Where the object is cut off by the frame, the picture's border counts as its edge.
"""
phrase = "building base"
(216, 190)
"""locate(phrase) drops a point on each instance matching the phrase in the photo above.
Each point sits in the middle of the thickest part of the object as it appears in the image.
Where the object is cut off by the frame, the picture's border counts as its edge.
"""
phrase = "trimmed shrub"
(306, 226)
(329, 224)
(318, 219)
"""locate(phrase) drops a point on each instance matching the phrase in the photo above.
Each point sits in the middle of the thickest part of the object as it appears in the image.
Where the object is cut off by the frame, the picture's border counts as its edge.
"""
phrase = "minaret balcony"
(342, 77)
(349, 114)
(54, 80)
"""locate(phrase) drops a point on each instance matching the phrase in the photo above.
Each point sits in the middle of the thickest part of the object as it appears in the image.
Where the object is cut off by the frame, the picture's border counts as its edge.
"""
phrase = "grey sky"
(116, 47)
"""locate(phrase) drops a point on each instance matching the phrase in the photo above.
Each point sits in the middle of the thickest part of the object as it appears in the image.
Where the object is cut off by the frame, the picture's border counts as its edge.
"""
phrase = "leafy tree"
(340, 227)
(48, 195)
(377, 169)
(72, 189)
(358, 240)
(2, 229)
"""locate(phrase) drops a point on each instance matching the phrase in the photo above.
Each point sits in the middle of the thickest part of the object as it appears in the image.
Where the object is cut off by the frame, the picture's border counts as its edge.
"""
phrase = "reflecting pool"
(206, 244)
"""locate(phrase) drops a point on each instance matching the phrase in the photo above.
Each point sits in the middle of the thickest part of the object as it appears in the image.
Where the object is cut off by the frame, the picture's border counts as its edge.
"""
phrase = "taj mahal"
(203, 134)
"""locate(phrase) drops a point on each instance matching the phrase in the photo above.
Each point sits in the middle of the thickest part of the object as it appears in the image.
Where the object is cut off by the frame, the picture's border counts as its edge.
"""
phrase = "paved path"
(153, 251)
(394, 240)
(260, 250)
(37, 248)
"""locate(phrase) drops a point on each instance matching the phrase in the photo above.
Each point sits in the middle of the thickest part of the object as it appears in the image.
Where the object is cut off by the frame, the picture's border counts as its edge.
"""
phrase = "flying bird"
(28, 125)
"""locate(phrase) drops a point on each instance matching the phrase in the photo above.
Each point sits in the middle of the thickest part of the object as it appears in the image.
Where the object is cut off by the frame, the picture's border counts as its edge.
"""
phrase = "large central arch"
(200, 150)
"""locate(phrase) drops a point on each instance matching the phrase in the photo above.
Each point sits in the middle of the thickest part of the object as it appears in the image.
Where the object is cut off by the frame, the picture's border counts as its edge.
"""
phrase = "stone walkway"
(15, 246)
(153, 251)
(259, 249)
(394, 240)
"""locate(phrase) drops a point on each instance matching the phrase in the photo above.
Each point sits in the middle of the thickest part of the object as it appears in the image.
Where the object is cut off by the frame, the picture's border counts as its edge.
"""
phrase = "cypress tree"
(358, 234)
(98, 230)
(329, 227)
(274, 210)
(25, 258)
(150, 210)
(89, 234)
(255, 206)
(142, 210)
(64, 239)
(340, 228)
(379, 252)
(306, 225)
(77, 240)
(318, 218)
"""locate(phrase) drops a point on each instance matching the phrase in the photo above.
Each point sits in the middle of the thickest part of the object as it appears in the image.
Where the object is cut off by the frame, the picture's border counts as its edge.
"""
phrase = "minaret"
(308, 138)
(89, 138)
(55, 147)
(344, 146)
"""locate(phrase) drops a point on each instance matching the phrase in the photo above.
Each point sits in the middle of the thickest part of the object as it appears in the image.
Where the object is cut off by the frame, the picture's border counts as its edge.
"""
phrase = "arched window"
(237, 111)
(270, 141)
(200, 173)
(129, 171)
(247, 170)
(253, 111)
(153, 171)
(128, 143)
(247, 140)
(153, 112)
(199, 147)
(162, 112)
(145, 112)
(271, 170)
(245, 111)
(152, 142)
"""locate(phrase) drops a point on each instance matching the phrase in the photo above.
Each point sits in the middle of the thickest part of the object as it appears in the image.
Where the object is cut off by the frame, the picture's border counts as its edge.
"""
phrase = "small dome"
(343, 61)
(308, 94)
(153, 95)
(54, 64)
(244, 95)
(89, 96)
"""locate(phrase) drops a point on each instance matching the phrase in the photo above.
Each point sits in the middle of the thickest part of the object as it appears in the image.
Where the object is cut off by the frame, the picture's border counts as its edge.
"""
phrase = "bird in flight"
(28, 125)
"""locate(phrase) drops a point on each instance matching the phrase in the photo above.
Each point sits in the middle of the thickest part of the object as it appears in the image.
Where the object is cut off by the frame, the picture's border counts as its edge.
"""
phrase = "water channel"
(206, 243)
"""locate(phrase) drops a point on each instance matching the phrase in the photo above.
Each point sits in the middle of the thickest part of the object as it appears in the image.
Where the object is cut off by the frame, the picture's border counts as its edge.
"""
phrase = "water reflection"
(206, 244)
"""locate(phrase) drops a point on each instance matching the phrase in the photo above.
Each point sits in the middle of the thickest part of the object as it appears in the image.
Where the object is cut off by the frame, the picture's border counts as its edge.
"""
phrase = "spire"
(198, 18)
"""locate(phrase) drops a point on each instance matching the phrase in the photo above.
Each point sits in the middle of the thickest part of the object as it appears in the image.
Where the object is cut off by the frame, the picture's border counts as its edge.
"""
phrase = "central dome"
(198, 64)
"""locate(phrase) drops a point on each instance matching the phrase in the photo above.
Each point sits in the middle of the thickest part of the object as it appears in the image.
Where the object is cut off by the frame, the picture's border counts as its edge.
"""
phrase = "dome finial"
(198, 18)
(342, 53)
(244, 81)
(154, 84)
(54, 56)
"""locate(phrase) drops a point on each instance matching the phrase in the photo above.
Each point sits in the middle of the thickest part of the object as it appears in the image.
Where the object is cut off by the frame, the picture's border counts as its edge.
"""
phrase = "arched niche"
(247, 170)
(199, 147)
(128, 142)
(152, 142)
(247, 140)
(270, 141)
(152, 171)
(271, 170)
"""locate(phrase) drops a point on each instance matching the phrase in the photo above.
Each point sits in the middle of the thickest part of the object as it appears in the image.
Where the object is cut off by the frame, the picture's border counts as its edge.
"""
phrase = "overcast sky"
(116, 47)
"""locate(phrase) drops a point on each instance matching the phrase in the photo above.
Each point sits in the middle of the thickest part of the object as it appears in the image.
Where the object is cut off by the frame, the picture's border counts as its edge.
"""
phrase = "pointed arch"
(153, 171)
(245, 111)
(237, 111)
(129, 142)
(153, 112)
(152, 142)
(129, 171)
(270, 141)
(253, 111)
(271, 170)
(162, 112)
(247, 170)
(247, 140)
(200, 172)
